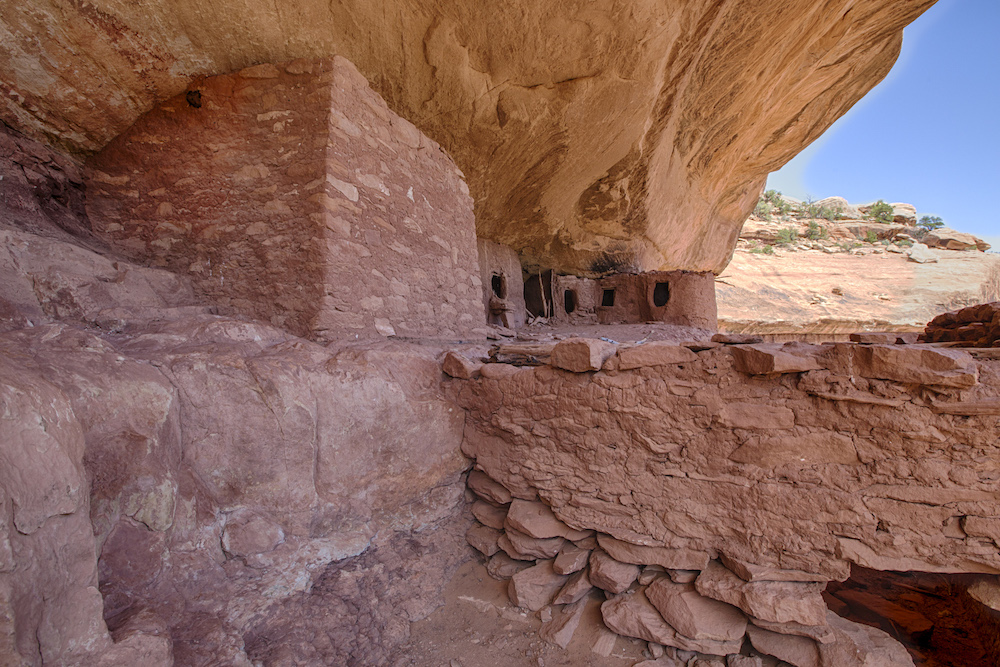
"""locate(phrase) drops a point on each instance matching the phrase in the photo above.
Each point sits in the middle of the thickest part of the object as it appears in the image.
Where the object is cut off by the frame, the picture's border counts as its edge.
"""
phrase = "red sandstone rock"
(484, 539)
(532, 546)
(653, 353)
(487, 488)
(459, 366)
(681, 559)
(750, 416)
(571, 559)
(248, 533)
(536, 586)
(917, 365)
(560, 629)
(748, 571)
(502, 566)
(683, 576)
(736, 339)
(536, 519)
(694, 615)
(508, 548)
(781, 602)
(650, 573)
(579, 355)
(793, 649)
(634, 616)
(577, 586)
(822, 634)
(489, 514)
(768, 358)
(498, 371)
(609, 574)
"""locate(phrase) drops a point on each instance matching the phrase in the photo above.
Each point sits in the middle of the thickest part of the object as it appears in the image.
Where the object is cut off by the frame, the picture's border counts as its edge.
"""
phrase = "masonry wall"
(796, 457)
(291, 194)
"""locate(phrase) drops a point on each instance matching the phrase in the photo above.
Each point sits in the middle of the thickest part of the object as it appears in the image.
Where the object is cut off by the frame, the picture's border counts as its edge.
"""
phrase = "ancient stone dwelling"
(304, 306)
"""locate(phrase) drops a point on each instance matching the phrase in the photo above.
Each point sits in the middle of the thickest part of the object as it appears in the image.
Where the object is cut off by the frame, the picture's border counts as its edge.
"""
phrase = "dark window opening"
(661, 294)
(499, 285)
(608, 299)
(193, 98)
(569, 301)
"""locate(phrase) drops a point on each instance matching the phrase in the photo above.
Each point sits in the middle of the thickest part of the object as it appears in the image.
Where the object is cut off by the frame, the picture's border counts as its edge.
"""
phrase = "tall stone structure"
(291, 194)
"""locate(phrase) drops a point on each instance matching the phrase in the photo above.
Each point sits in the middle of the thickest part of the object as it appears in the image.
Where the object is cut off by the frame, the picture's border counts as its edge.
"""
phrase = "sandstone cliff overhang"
(595, 136)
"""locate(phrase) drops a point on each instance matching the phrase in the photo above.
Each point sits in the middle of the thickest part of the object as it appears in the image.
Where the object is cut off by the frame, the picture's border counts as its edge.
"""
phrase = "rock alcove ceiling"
(595, 136)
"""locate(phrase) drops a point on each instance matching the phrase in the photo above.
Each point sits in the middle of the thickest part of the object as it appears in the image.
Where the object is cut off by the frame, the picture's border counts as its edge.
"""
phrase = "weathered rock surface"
(976, 326)
(781, 602)
(609, 574)
(594, 134)
(694, 615)
(950, 239)
(633, 615)
(536, 586)
(647, 460)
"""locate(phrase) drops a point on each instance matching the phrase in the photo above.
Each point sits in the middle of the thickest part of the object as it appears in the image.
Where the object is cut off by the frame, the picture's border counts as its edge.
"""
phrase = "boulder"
(502, 566)
(484, 539)
(653, 353)
(904, 214)
(533, 546)
(489, 514)
(694, 615)
(564, 623)
(571, 559)
(579, 355)
(840, 205)
(921, 254)
(916, 364)
(634, 615)
(575, 588)
(536, 586)
(536, 519)
(781, 602)
(769, 358)
(488, 489)
(460, 366)
(667, 557)
(950, 239)
(609, 574)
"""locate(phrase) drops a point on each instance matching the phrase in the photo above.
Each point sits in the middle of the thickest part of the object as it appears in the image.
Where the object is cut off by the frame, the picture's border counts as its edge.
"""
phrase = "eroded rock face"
(595, 137)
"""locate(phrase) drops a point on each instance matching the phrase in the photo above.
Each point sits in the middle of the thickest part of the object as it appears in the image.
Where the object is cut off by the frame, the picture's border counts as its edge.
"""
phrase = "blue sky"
(929, 134)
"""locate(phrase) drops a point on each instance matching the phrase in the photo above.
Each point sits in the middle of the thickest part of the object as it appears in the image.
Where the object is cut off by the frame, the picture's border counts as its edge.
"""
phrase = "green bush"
(929, 222)
(787, 236)
(778, 205)
(871, 236)
(763, 210)
(816, 232)
(763, 250)
(881, 212)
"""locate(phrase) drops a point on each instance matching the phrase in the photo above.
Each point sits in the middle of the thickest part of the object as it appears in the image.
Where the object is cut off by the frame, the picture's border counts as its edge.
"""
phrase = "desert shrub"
(825, 212)
(763, 210)
(905, 243)
(762, 250)
(881, 212)
(929, 222)
(816, 232)
(787, 236)
(778, 205)
(871, 236)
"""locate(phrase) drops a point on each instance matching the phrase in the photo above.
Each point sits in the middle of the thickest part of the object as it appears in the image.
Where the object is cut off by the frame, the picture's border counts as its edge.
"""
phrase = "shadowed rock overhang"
(595, 136)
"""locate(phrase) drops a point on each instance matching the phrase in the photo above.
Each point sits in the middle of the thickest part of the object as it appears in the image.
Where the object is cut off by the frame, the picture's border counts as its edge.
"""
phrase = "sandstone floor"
(809, 291)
